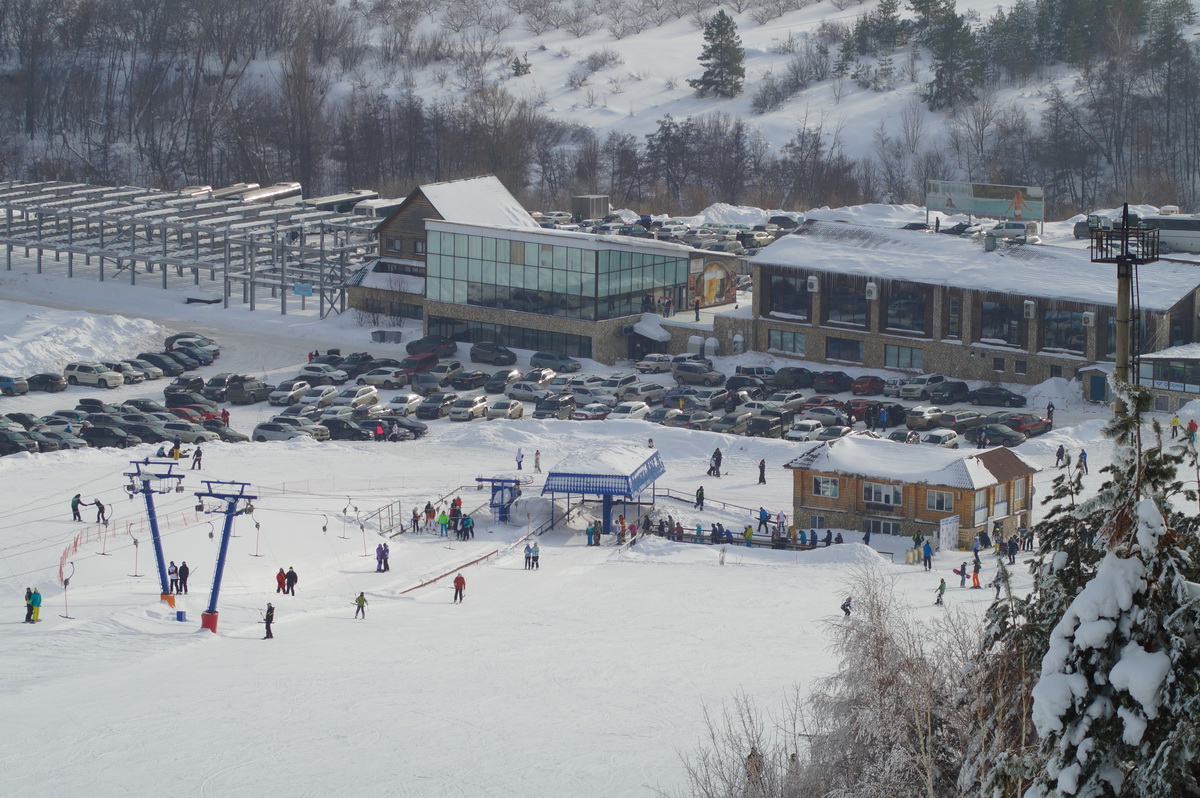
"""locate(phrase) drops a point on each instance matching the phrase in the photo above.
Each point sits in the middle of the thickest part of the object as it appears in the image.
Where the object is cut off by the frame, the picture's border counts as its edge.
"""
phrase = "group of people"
(532, 552)
(1191, 428)
(177, 578)
(33, 605)
(714, 464)
(383, 553)
(286, 582)
(1060, 458)
(537, 460)
(101, 509)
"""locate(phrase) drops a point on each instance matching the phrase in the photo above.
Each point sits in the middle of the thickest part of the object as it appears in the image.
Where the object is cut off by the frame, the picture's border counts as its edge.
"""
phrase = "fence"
(99, 533)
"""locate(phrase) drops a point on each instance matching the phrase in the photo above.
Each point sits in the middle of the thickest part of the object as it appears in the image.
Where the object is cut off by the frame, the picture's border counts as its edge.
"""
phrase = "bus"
(1177, 232)
(341, 203)
(379, 208)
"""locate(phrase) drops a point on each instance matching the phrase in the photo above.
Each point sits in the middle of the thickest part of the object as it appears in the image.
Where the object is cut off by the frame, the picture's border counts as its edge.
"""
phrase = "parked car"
(199, 355)
(740, 382)
(998, 434)
(950, 392)
(306, 411)
(962, 420)
(828, 415)
(500, 380)
(91, 405)
(997, 396)
(105, 437)
(527, 392)
(556, 406)
(275, 431)
(149, 433)
(922, 417)
(409, 425)
(792, 377)
(185, 384)
(649, 392)
(764, 373)
(288, 392)
(506, 408)
(404, 404)
(311, 426)
(188, 362)
(593, 412)
(193, 341)
(247, 390)
(617, 384)
(833, 433)
(867, 385)
(691, 419)
(945, 438)
(321, 396)
(1028, 424)
(469, 380)
(425, 384)
(496, 354)
(892, 386)
(215, 387)
(769, 423)
(146, 405)
(358, 396)
(805, 430)
(131, 375)
(84, 373)
(697, 374)
(588, 396)
(148, 369)
(469, 408)
(387, 378)
(14, 441)
(540, 376)
(832, 381)
(15, 386)
(921, 387)
(446, 370)
(660, 415)
(555, 361)
(792, 400)
(341, 429)
(1014, 229)
(710, 399)
(857, 408)
(733, 423)
(188, 399)
(225, 432)
(189, 414)
(630, 410)
(580, 381)
(653, 364)
(690, 357)
(336, 376)
(169, 366)
(436, 405)
(190, 433)
(439, 345)
(66, 440)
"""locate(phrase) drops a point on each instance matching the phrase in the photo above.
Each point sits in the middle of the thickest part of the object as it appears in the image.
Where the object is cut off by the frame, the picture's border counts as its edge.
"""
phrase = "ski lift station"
(611, 473)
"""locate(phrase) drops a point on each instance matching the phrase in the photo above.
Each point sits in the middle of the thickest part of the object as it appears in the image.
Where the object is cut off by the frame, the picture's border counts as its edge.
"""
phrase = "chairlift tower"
(231, 493)
(1128, 247)
(156, 477)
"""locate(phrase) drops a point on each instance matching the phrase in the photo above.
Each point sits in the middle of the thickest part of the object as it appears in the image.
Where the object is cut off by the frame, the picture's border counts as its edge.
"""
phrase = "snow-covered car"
(653, 364)
(630, 410)
(274, 431)
(404, 404)
(506, 408)
(336, 376)
(833, 433)
(660, 415)
(469, 408)
(360, 396)
(592, 412)
(321, 396)
(805, 430)
(288, 392)
(189, 432)
(946, 438)
(588, 396)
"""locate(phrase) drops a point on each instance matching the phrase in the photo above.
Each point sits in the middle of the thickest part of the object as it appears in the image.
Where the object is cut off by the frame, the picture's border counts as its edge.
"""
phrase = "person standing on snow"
(100, 510)
(927, 552)
(184, 573)
(360, 608)
(387, 555)
(281, 582)
(379, 558)
(535, 552)
(443, 524)
(520, 458)
(941, 591)
(1174, 426)
(196, 457)
(1083, 469)
(28, 605)
(700, 498)
(35, 601)
(537, 461)
(1060, 456)
(975, 577)
(75, 502)
(292, 579)
(173, 578)
(268, 619)
(762, 472)
(528, 555)
(763, 518)
(962, 575)
(846, 608)
(717, 458)
(460, 587)
(1050, 412)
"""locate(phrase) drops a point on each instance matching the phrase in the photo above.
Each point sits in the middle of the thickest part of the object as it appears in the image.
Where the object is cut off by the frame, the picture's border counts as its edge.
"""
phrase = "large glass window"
(1000, 499)
(517, 337)
(1063, 330)
(981, 508)
(906, 310)
(783, 341)
(846, 304)
(904, 357)
(877, 526)
(954, 316)
(880, 493)
(1000, 323)
(826, 487)
(789, 297)
(843, 349)
(940, 500)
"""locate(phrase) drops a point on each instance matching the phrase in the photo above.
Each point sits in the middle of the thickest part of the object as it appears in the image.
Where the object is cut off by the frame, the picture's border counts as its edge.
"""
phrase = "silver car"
(506, 408)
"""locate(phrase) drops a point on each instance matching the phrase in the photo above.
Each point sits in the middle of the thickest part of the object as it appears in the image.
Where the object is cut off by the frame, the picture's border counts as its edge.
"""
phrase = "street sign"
(302, 289)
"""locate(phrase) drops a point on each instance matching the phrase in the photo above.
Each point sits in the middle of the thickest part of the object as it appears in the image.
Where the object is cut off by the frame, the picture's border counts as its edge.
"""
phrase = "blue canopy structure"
(611, 472)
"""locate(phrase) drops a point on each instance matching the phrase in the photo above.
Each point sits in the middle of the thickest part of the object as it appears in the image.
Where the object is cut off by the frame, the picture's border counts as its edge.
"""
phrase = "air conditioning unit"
(814, 284)
(1030, 309)
(872, 291)
(1089, 319)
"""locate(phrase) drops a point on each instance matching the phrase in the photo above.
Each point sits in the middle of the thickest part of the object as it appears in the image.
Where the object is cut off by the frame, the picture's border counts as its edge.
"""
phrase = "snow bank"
(45, 339)
(1063, 392)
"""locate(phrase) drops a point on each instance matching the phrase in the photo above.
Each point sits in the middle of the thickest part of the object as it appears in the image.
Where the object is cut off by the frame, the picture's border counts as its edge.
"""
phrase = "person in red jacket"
(460, 584)
(281, 582)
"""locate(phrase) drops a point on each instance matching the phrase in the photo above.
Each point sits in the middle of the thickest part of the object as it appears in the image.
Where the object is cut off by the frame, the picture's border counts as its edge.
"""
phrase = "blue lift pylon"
(236, 492)
(148, 472)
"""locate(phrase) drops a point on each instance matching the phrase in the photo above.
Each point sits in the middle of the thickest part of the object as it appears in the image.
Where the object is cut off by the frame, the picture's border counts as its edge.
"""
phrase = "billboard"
(1023, 203)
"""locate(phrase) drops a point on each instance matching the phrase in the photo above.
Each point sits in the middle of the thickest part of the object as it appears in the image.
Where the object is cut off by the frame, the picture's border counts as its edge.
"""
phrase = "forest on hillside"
(176, 92)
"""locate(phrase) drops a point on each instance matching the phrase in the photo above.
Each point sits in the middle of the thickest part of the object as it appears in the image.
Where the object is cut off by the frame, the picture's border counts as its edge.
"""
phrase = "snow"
(1034, 270)
(650, 326)
(483, 200)
(1140, 673)
(409, 283)
(607, 460)
(46, 339)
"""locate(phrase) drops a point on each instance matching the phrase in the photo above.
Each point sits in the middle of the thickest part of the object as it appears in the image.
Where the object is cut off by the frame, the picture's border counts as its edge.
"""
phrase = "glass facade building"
(589, 283)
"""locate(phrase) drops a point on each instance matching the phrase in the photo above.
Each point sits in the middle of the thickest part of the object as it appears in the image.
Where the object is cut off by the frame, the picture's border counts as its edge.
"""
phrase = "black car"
(148, 433)
(170, 367)
(496, 354)
(739, 382)
(425, 384)
(997, 434)
(183, 385)
(915, 226)
(227, 434)
(90, 405)
(996, 396)
(186, 398)
(108, 436)
(188, 362)
(439, 345)
(213, 389)
(198, 355)
(831, 381)
(145, 406)
(246, 390)
(792, 377)
(949, 392)
(12, 442)
(499, 382)
(469, 380)
(342, 430)
(26, 420)
(105, 420)
(44, 444)
(404, 422)
(378, 363)
(353, 363)
(436, 405)
(333, 360)
(50, 383)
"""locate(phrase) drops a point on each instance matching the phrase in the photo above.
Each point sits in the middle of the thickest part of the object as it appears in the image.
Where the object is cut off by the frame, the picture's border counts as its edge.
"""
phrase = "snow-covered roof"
(650, 326)
(1181, 352)
(619, 470)
(1029, 269)
(478, 199)
(878, 458)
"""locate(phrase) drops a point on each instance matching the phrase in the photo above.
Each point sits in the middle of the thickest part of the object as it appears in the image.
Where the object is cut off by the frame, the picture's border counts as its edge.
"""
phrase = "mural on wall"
(713, 282)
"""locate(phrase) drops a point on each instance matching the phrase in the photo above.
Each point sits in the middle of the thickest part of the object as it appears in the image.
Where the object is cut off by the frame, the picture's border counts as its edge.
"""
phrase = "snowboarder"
(535, 552)
(1060, 456)
(281, 582)
(292, 578)
(700, 498)
(100, 509)
(941, 591)
(528, 556)
(360, 606)
(184, 573)
(196, 457)
(962, 574)
(1050, 412)
(1083, 469)
(268, 619)
(846, 608)
(520, 458)
(762, 472)
(173, 578)
(927, 553)
(537, 461)
(28, 605)
(460, 586)
(975, 576)
(75, 502)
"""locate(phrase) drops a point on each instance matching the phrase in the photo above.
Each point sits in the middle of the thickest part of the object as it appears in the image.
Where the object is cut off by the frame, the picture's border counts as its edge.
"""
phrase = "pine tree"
(954, 53)
(722, 59)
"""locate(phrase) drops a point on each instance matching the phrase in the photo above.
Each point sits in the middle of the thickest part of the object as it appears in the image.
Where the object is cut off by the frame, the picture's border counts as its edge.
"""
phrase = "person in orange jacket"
(460, 585)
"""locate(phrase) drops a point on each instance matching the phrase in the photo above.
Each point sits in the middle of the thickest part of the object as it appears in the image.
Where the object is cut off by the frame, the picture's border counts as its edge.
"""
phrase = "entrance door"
(1097, 388)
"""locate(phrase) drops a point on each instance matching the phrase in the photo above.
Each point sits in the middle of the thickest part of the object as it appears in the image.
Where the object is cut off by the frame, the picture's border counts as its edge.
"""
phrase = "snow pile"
(1063, 392)
(870, 214)
(46, 339)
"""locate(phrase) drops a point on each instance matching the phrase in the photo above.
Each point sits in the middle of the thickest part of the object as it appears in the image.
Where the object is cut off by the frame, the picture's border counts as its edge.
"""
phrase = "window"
(846, 304)
(784, 341)
(394, 244)
(816, 521)
(1000, 499)
(954, 317)
(1063, 331)
(998, 364)
(419, 246)
(877, 526)
(940, 500)
(904, 357)
(1162, 402)
(826, 487)
(1056, 371)
(981, 508)
(789, 297)
(511, 336)
(906, 310)
(1000, 323)
(879, 493)
(1020, 367)
(843, 349)
(1018, 493)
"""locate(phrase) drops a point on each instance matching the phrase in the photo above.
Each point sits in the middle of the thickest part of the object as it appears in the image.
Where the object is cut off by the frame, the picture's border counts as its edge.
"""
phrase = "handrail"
(671, 493)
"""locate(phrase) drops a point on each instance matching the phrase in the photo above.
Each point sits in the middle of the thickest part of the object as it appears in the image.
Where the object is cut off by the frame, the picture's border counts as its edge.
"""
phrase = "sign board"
(1023, 203)
(948, 533)
(302, 289)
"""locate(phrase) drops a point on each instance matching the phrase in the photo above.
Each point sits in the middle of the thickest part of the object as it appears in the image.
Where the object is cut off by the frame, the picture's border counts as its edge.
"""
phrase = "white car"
(357, 397)
(583, 381)
(404, 404)
(339, 411)
(189, 432)
(469, 408)
(649, 392)
(304, 424)
(274, 431)
(630, 410)
(526, 392)
(945, 438)
(506, 408)
(389, 379)
(151, 371)
(757, 406)
(202, 344)
(829, 416)
(288, 392)
(806, 430)
(616, 384)
(587, 396)
(653, 364)
(324, 370)
(321, 396)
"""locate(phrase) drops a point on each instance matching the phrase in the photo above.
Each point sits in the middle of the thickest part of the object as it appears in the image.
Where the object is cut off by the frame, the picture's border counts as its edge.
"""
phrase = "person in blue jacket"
(35, 600)
(764, 518)
(528, 555)
(927, 551)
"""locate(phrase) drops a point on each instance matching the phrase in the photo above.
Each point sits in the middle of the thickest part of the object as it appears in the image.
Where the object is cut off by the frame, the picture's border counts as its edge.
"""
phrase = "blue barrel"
(181, 616)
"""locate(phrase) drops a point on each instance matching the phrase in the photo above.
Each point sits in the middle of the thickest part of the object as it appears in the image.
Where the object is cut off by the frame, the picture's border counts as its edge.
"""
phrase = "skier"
(75, 502)
(268, 619)
(975, 576)
(184, 573)
(700, 498)
(762, 472)
(281, 582)
(846, 608)
(528, 556)
(443, 524)
(196, 457)
(941, 591)
(292, 579)
(28, 605)
(460, 586)
(360, 608)
(1060, 456)
(537, 461)
(100, 509)
(173, 578)
(927, 552)
(535, 552)
(520, 458)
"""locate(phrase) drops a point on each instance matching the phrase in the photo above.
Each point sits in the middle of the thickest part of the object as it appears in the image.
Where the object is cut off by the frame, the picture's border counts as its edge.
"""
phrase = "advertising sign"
(1023, 203)
(948, 533)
